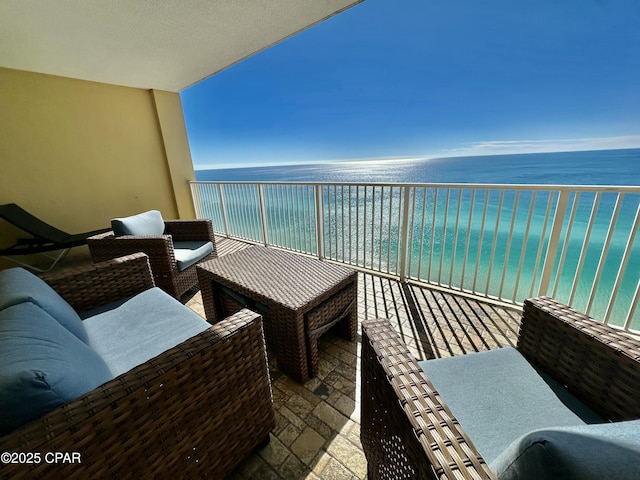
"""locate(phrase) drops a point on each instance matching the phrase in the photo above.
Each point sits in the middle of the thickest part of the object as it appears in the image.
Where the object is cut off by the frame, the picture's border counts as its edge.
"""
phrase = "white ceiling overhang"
(153, 44)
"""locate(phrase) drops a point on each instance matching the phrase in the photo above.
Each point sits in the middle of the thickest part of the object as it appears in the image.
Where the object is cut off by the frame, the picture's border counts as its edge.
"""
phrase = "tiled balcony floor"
(318, 423)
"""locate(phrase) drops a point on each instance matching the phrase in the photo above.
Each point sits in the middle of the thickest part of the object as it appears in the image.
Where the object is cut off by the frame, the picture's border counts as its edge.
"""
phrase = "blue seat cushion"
(147, 223)
(588, 452)
(42, 365)
(141, 328)
(18, 285)
(497, 396)
(190, 252)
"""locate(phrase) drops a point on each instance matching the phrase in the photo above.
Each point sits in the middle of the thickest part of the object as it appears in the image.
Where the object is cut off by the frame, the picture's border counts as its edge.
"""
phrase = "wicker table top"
(286, 278)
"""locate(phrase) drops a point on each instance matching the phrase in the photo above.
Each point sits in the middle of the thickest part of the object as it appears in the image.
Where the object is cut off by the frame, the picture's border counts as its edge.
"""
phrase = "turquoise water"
(437, 249)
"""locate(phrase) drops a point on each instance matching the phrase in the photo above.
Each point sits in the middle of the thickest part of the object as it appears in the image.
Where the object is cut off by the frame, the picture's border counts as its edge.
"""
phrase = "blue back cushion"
(18, 285)
(608, 450)
(147, 223)
(42, 365)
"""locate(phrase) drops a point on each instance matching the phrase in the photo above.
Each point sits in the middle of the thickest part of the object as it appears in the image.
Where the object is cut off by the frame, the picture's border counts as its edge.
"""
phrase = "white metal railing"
(505, 242)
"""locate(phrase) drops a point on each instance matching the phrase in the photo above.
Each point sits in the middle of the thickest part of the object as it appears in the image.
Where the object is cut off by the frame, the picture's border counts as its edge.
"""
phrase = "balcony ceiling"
(161, 44)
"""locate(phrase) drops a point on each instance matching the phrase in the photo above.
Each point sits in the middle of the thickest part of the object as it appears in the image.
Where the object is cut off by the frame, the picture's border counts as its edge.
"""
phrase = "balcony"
(510, 242)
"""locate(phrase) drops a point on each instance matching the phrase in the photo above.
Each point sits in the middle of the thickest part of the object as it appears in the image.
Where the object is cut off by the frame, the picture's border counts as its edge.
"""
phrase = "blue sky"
(428, 78)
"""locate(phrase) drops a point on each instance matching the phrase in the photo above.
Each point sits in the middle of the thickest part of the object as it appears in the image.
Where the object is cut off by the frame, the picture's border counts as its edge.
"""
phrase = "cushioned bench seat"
(49, 356)
(141, 328)
(498, 396)
(527, 425)
(145, 410)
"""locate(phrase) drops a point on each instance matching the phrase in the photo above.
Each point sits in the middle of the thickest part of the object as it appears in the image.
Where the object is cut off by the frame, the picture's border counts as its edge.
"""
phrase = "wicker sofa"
(174, 247)
(413, 426)
(196, 409)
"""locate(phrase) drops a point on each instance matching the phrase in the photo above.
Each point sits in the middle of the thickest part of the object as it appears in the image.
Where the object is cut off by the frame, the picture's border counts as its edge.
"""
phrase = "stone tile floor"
(318, 423)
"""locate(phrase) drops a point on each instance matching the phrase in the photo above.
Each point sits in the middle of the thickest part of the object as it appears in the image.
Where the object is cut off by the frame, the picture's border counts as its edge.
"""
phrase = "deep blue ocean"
(602, 167)
(448, 244)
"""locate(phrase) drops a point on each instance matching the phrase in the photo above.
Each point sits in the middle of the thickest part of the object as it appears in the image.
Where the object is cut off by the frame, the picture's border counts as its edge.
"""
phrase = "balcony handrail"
(503, 242)
(507, 186)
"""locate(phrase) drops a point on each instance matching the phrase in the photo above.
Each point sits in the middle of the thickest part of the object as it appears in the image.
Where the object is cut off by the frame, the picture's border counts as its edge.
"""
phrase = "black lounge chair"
(46, 238)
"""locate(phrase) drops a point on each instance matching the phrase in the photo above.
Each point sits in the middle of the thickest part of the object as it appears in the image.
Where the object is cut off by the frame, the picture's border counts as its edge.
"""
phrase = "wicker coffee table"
(298, 297)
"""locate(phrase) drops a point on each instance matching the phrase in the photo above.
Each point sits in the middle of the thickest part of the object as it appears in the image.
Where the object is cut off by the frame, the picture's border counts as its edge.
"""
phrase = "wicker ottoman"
(298, 297)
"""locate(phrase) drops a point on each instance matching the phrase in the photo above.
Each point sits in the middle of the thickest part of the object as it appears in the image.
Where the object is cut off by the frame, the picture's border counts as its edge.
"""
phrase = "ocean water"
(484, 252)
(602, 167)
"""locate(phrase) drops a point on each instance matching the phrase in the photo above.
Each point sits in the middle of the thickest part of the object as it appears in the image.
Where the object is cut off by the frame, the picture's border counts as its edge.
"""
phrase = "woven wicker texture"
(283, 287)
(408, 432)
(598, 363)
(93, 286)
(195, 411)
(160, 251)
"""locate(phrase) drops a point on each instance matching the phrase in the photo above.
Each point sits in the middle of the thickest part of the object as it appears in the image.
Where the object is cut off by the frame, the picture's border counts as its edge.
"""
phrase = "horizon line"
(408, 158)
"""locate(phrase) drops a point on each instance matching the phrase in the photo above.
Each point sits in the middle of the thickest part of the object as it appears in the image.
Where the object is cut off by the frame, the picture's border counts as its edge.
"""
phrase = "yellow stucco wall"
(78, 153)
(176, 148)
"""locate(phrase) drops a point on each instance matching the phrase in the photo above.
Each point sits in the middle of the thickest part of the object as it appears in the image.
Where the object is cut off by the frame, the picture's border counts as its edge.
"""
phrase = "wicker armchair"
(408, 431)
(195, 411)
(160, 250)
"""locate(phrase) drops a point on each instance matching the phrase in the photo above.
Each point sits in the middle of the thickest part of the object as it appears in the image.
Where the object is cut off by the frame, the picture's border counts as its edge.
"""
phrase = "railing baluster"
(319, 220)
(456, 230)
(224, 210)
(412, 226)
(233, 218)
(444, 235)
(373, 219)
(496, 232)
(197, 202)
(632, 307)
(565, 246)
(523, 250)
(405, 233)
(358, 225)
(364, 230)
(245, 221)
(396, 265)
(311, 218)
(263, 215)
(623, 266)
(433, 231)
(554, 239)
(605, 251)
(424, 209)
(507, 252)
(342, 233)
(350, 229)
(329, 222)
(380, 235)
(585, 246)
(541, 243)
(480, 237)
(293, 234)
(302, 234)
(468, 237)
(333, 222)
